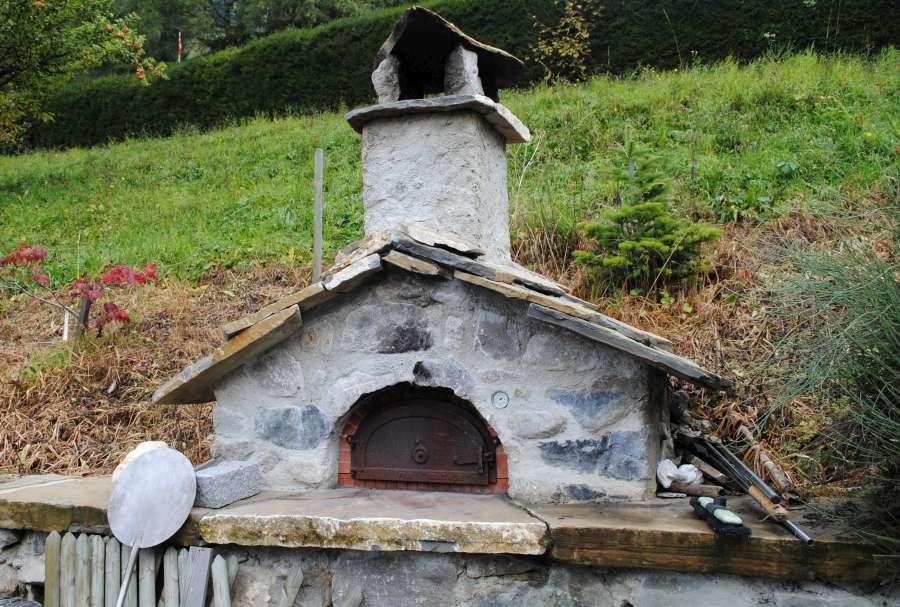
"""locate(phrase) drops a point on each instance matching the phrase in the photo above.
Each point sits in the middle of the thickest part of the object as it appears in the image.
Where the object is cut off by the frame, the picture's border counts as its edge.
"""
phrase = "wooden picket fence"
(87, 571)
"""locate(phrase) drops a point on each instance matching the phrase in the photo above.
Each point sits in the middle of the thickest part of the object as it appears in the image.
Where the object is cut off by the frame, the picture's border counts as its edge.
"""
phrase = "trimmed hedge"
(329, 66)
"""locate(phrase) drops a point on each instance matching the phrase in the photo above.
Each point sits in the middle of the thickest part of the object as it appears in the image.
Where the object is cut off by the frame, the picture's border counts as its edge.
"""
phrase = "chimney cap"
(422, 40)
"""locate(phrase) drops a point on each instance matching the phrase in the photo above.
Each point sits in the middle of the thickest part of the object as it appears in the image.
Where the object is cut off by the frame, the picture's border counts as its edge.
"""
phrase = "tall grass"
(843, 348)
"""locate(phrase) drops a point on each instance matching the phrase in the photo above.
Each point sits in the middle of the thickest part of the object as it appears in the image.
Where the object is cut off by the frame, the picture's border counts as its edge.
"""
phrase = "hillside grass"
(787, 154)
(747, 142)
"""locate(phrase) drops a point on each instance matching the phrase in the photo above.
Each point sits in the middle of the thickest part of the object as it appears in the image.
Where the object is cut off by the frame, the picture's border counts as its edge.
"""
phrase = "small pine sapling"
(640, 242)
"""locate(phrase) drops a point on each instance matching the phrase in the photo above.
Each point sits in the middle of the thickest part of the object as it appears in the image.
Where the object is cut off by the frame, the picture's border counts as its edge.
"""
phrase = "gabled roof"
(421, 250)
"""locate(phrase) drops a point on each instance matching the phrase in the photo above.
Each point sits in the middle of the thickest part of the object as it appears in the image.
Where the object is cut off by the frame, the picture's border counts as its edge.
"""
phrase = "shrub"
(564, 48)
(323, 68)
(843, 347)
(640, 242)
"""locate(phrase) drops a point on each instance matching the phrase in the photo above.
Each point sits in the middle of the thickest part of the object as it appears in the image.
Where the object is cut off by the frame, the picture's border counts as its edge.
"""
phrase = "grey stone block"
(225, 482)
(292, 427)
(619, 455)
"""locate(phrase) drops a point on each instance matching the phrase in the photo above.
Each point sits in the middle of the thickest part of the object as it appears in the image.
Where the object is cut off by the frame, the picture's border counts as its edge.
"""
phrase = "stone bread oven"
(425, 358)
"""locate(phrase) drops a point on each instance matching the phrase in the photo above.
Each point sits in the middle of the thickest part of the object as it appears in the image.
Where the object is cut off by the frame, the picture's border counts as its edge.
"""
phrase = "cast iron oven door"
(423, 441)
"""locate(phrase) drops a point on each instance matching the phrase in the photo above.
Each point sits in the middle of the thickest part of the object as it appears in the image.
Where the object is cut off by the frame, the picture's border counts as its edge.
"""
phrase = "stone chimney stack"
(439, 161)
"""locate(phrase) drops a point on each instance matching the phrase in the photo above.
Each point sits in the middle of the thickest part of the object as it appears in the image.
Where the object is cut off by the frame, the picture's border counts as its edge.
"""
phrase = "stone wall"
(347, 578)
(21, 561)
(408, 579)
(579, 424)
(447, 170)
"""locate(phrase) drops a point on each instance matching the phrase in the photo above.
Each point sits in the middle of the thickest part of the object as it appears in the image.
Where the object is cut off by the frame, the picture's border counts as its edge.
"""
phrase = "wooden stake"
(67, 571)
(83, 571)
(170, 578)
(221, 593)
(51, 569)
(113, 572)
(232, 562)
(182, 571)
(291, 586)
(98, 560)
(84, 314)
(317, 213)
(197, 577)
(147, 578)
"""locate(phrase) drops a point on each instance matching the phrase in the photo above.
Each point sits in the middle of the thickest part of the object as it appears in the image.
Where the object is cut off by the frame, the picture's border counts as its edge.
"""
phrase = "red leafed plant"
(22, 270)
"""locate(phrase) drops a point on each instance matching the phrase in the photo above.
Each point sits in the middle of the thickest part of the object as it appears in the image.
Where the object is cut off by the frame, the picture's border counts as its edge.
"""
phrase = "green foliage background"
(243, 194)
(328, 67)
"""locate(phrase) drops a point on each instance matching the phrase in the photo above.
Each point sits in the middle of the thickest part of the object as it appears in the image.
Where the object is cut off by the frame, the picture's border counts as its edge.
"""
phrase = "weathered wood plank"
(51, 569)
(112, 572)
(170, 578)
(67, 571)
(412, 264)
(98, 561)
(667, 535)
(306, 299)
(196, 577)
(194, 384)
(147, 577)
(291, 586)
(83, 571)
(220, 590)
(665, 361)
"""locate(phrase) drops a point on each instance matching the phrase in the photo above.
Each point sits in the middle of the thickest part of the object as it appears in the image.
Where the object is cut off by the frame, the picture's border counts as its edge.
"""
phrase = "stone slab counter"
(379, 521)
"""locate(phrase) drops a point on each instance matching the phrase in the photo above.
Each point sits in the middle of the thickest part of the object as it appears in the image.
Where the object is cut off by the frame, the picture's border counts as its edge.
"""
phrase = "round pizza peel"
(151, 499)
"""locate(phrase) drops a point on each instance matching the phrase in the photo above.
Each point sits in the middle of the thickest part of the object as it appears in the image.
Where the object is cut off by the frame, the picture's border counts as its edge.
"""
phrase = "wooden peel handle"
(776, 511)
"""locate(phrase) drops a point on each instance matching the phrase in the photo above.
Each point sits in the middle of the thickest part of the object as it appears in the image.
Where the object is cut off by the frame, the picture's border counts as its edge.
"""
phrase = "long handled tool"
(150, 501)
(768, 499)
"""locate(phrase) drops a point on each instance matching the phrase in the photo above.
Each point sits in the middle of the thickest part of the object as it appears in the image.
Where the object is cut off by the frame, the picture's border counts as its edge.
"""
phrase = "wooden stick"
(113, 572)
(221, 593)
(147, 578)
(170, 578)
(317, 214)
(51, 569)
(98, 560)
(67, 571)
(128, 592)
(774, 472)
(698, 490)
(708, 470)
(291, 586)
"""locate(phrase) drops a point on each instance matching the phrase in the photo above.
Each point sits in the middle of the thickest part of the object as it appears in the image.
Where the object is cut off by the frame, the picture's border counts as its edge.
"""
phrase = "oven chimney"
(439, 161)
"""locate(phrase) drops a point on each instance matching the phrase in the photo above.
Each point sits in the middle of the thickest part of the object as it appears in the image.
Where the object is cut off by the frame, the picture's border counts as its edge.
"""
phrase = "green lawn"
(747, 141)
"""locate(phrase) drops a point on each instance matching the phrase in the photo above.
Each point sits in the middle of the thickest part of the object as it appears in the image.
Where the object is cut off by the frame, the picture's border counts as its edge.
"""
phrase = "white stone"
(445, 170)
(31, 570)
(461, 73)
(538, 424)
(386, 79)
